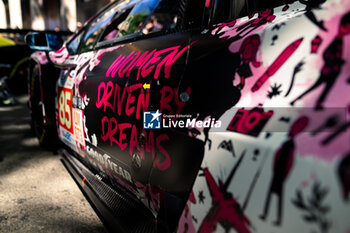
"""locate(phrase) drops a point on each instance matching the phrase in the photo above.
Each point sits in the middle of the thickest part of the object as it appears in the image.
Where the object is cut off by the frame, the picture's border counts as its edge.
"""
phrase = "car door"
(132, 64)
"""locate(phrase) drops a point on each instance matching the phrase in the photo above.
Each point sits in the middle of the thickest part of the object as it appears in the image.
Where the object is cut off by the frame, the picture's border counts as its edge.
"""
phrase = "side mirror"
(43, 41)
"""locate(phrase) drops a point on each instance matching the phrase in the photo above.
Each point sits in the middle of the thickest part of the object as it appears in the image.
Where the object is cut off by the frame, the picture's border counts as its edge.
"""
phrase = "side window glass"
(98, 26)
(224, 10)
(164, 17)
(258, 6)
(113, 27)
(147, 16)
(135, 20)
(73, 45)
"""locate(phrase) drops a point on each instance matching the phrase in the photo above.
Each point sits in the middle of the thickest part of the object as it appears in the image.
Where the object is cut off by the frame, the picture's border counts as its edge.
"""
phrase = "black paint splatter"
(274, 38)
(339, 131)
(201, 197)
(186, 228)
(329, 123)
(343, 172)
(313, 207)
(311, 4)
(268, 134)
(275, 91)
(227, 145)
(194, 219)
(297, 69)
(285, 119)
(278, 26)
(256, 153)
(209, 144)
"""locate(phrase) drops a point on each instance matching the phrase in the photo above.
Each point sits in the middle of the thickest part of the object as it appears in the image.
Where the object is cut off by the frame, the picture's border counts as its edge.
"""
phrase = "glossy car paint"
(307, 190)
(278, 81)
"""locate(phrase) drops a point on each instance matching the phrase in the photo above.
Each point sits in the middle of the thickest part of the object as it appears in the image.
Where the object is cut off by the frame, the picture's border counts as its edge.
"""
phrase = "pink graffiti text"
(146, 63)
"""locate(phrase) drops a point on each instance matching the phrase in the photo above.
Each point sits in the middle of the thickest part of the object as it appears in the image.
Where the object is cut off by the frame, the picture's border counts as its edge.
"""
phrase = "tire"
(43, 130)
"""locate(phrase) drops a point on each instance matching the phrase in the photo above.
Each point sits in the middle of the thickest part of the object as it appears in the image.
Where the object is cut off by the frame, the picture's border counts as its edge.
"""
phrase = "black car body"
(180, 115)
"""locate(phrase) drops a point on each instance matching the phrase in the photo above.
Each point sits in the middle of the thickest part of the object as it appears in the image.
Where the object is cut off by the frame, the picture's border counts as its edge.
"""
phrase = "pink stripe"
(207, 3)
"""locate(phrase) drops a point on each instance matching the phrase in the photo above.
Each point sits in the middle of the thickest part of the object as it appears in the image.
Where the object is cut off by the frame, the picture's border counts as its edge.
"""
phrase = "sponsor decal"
(66, 79)
(78, 126)
(69, 82)
(77, 102)
(67, 137)
(65, 108)
(106, 162)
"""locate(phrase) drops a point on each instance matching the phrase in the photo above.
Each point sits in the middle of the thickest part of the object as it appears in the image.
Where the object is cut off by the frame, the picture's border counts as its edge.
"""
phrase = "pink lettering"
(105, 135)
(141, 62)
(114, 67)
(130, 66)
(133, 141)
(142, 103)
(122, 65)
(167, 94)
(112, 130)
(133, 103)
(107, 92)
(145, 71)
(122, 135)
(127, 131)
(149, 146)
(120, 98)
(179, 103)
(131, 99)
(166, 97)
(146, 62)
(157, 163)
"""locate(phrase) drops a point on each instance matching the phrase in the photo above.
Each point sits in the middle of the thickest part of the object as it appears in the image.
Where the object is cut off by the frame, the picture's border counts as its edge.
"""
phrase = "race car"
(203, 116)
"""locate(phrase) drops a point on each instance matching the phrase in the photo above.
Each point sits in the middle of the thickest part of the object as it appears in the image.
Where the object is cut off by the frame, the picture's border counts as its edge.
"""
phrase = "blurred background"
(47, 14)
(17, 18)
(34, 181)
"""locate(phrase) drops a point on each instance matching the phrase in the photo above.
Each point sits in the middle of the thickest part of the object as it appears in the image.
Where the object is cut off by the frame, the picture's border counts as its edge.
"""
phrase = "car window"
(112, 28)
(98, 25)
(135, 20)
(147, 17)
(258, 6)
(165, 17)
(73, 45)
(224, 10)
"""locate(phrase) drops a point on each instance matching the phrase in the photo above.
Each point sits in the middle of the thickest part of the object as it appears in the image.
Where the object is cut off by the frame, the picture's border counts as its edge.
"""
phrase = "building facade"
(47, 14)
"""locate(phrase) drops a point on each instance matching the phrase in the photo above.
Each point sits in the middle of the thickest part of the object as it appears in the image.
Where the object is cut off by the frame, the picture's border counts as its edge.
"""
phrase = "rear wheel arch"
(41, 105)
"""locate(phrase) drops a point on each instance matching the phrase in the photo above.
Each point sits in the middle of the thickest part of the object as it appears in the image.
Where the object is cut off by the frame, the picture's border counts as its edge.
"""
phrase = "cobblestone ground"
(37, 193)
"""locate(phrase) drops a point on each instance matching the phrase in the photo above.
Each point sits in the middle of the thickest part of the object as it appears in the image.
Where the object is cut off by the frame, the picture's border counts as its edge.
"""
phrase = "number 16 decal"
(65, 108)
